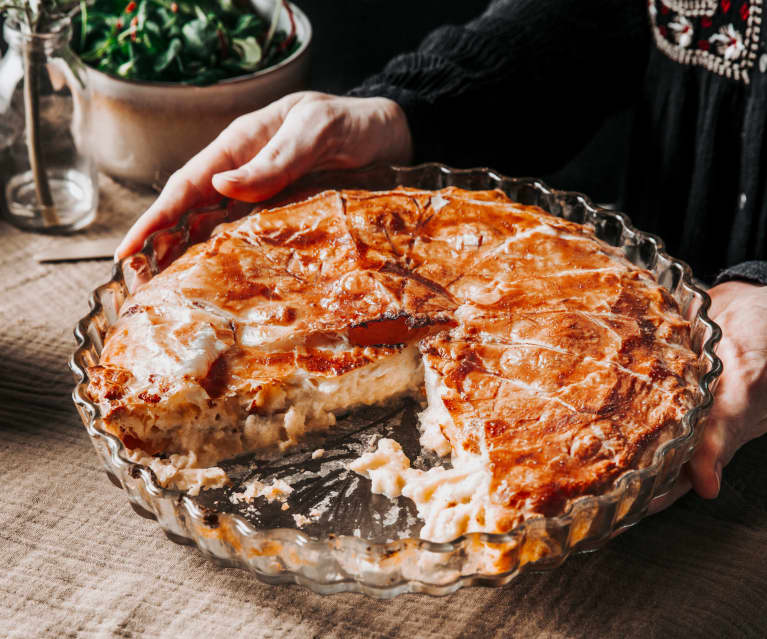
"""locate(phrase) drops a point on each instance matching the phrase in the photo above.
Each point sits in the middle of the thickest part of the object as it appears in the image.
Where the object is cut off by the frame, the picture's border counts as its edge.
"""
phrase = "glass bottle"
(48, 180)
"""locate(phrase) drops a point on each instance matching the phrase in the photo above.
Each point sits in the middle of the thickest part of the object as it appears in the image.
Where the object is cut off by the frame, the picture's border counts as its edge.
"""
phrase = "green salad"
(198, 42)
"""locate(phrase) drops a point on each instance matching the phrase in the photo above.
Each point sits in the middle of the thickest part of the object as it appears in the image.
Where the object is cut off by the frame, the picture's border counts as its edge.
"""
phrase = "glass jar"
(49, 181)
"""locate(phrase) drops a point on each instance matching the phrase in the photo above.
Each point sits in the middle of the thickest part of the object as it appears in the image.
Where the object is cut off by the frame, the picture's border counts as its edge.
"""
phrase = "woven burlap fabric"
(76, 561)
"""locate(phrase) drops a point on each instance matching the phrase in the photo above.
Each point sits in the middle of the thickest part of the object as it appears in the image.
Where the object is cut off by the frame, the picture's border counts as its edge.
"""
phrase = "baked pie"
(548, 363)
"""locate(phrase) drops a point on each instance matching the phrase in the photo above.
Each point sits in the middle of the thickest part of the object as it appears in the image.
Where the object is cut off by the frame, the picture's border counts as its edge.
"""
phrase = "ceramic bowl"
(143, 131)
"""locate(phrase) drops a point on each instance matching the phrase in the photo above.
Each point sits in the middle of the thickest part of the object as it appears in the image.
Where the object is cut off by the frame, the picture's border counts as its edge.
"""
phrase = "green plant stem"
(32, 117)
(84, 21)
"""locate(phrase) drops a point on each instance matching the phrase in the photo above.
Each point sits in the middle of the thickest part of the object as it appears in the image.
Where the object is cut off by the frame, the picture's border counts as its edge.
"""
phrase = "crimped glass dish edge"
(345, 563)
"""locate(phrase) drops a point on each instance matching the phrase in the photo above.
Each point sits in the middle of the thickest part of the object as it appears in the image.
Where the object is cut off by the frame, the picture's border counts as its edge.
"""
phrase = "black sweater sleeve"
(522, 87)
(754, 272)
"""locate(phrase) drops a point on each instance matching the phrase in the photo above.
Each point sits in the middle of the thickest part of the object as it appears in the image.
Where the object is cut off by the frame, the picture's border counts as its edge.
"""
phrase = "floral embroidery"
(729, 42)
(719, 35)
(682, 30)
(691, 8)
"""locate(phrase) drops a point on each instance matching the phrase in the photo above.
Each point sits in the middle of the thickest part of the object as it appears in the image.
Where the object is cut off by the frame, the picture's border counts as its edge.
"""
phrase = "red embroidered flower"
(705, 22)
(704, 45)
(744, 11)
(664, 9)
(726, 4)
(663, 30)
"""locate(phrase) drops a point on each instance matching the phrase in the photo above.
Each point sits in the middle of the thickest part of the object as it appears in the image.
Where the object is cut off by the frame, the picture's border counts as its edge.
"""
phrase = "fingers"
(187, 188)
(321, 132)
(290, 153)
(727, 426)
(731, 419)
(681, 487)
(311, 137)
(703, 473)
(259, 154)
(705, 466)
(718, 440)
(191, 186)
(179, 195)
(706, 478)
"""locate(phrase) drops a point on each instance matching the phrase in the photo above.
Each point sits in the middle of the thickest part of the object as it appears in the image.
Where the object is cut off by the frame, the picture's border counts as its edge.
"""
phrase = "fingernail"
(231, 176)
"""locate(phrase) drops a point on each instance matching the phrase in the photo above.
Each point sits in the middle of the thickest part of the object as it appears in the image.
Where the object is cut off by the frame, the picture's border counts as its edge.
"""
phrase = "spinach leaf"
(190, 41)
(249, 51)
(164, 60)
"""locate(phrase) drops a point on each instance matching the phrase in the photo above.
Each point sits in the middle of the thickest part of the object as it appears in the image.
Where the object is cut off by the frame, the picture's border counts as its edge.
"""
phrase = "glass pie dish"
(332, 534)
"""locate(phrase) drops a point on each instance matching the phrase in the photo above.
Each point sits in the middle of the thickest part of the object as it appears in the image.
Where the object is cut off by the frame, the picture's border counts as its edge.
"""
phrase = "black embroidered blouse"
(525, 85)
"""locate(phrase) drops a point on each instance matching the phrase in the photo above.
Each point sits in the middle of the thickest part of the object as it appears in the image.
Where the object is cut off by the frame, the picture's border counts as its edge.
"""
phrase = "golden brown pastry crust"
(561, 363)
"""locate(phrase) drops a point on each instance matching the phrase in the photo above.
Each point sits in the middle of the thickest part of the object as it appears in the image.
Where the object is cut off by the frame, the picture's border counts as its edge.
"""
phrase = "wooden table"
(76, 561)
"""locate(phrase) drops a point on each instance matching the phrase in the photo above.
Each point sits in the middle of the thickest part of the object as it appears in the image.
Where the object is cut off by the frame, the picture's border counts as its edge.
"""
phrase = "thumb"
(705, 466)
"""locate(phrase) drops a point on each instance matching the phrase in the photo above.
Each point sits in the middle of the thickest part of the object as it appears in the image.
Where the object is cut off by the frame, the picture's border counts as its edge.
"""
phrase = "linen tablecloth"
(76, 561)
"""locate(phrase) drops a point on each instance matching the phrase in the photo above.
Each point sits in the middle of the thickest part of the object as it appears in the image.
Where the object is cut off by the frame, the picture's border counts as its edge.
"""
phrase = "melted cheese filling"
(223, 428)
(313, 402)
(450, 501)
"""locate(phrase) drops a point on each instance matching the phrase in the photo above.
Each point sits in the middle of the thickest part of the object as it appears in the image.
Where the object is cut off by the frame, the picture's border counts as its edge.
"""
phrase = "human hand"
(262, 152)
(739, 413)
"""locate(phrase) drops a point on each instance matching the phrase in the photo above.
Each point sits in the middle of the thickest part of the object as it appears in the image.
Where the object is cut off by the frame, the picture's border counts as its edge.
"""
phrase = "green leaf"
(97, 50)
(170, 54)
(247, 24)
(125, 68)
(168, 18)
(141, 13)
(201, 15)
(83, 23)
(153, 29)
(228, 6)
(249, 51)
(198, 38)
(174, 30)
(110, 21)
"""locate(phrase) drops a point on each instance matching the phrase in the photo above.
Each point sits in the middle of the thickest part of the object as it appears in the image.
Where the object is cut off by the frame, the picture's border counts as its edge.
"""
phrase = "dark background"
(355, 38)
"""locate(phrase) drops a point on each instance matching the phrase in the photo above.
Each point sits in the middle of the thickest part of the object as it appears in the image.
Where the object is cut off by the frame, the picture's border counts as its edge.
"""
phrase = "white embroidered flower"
(652, 9)
(729, 42)
(681, 28)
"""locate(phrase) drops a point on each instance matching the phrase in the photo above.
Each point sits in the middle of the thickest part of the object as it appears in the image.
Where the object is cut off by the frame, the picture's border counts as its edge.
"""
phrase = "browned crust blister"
(560, 361)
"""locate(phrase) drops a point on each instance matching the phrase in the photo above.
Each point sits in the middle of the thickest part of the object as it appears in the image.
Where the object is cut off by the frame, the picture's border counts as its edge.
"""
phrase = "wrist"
(400, 140)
